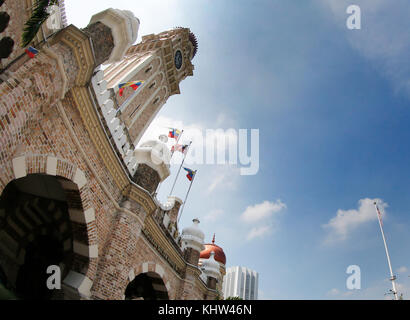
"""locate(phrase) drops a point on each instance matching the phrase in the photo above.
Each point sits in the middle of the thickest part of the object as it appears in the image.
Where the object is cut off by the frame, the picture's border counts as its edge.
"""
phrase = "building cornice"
(84, 103)
(159, 240)
(80, 44)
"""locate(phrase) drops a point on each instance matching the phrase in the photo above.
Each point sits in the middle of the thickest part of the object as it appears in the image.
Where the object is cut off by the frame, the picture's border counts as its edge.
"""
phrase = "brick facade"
(49, 125)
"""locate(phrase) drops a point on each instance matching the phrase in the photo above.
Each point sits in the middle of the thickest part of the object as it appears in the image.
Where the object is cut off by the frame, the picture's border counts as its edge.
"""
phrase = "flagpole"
(186, 197)
(392, 276)
(172, 153)
(179, 170)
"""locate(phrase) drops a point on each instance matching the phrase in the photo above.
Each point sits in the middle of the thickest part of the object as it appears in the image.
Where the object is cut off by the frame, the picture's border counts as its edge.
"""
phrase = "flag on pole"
(31, 52)
(174, 133)
(181, 148)
(191, 176)
(191, 173)
(132, 84)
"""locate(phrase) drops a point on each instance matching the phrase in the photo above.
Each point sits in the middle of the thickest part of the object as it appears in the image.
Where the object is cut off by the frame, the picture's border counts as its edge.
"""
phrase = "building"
(241, 282)
(75, 190)
(219, 257)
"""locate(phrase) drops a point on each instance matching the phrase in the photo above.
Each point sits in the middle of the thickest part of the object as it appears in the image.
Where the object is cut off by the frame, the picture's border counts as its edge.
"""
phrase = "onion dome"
(219, 253)
(210, 267)
(193, 237)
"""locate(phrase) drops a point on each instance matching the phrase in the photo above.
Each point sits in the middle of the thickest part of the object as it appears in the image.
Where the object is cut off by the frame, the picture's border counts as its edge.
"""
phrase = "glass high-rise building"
(240, 282)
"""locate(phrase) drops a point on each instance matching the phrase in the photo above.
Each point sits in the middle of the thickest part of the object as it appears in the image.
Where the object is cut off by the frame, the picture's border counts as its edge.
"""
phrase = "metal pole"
(179, 170)
(172, 153)
(392, 276)
(186, 197)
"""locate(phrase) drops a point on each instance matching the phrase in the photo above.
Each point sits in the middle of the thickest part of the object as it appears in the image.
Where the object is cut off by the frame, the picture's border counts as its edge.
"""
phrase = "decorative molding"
(161, 243)
(92, 123)
(49, 52)
(51, 166)
(80, 44)
(79, 178)
(19, 167)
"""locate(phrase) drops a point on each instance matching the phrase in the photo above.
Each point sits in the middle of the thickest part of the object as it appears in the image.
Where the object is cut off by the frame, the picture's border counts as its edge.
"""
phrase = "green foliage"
(37, 18)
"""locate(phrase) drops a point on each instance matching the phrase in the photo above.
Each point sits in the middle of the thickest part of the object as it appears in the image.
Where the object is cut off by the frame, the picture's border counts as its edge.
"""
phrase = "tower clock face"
(178, 59)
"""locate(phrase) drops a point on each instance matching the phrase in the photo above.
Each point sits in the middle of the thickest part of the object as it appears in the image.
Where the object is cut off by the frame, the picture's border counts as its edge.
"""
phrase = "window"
(132, 114)
(152, 85)
(148, 69)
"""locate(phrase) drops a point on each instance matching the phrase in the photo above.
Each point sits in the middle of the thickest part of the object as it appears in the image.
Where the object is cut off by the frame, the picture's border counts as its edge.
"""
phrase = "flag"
(181, 148)
(132, 84)
(31, 52)
(174, 133)
(190, 174)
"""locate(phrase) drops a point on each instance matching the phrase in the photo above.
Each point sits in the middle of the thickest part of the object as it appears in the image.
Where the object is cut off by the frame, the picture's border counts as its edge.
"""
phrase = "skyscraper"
(241, 282)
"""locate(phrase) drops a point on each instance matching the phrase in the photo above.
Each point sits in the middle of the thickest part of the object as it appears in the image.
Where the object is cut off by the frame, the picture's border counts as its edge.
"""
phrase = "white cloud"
(262, 211)
(345, 221)
(403, 269)
(213, 215)
(259, 232)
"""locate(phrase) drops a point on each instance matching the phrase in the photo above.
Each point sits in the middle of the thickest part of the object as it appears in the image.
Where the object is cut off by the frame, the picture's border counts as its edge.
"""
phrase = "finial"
(213, 240)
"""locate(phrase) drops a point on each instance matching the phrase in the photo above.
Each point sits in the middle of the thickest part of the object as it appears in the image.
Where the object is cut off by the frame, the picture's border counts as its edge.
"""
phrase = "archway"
(35, 233)
(147, 286)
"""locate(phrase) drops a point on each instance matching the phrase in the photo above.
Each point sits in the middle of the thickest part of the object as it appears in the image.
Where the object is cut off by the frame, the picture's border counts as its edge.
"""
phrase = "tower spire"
(213, 239)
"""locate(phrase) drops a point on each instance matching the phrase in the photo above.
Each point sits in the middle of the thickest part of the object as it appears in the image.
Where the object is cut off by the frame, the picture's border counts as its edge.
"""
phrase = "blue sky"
(332, 106)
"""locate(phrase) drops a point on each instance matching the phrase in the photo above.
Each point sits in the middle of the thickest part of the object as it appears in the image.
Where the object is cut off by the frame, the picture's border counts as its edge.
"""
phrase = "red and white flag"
(181, 148)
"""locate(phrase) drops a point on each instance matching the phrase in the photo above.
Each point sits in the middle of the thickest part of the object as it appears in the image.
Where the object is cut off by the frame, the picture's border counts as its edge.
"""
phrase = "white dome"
(210, 266)
(193, 237)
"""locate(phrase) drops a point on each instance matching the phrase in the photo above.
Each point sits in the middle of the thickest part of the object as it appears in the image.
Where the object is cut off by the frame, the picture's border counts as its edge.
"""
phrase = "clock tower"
(161, 61)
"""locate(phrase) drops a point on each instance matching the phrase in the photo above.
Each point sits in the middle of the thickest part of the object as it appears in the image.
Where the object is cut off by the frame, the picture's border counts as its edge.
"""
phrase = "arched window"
(147, 286)
(152, 85)
(148, 69)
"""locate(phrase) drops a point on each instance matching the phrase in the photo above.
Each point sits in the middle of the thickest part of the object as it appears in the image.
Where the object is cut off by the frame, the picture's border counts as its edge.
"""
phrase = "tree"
(38, 17)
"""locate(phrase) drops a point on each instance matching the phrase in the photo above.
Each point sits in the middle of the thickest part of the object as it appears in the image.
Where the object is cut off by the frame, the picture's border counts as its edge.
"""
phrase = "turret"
(112, 32)
(219, 257)
(153, 159)
(210, 267)
(192, 242)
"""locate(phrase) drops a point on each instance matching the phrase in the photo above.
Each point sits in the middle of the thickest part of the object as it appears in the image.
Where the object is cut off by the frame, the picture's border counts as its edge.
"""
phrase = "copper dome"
(219, 253)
